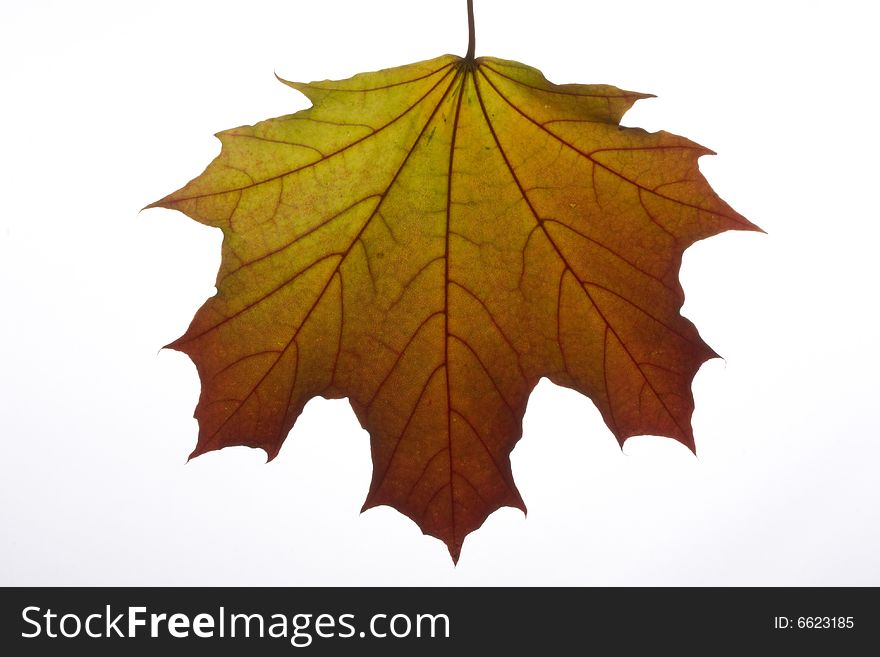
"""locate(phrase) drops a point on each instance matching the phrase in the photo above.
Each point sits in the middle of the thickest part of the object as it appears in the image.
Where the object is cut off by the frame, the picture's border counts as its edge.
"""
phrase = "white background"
(108, 106)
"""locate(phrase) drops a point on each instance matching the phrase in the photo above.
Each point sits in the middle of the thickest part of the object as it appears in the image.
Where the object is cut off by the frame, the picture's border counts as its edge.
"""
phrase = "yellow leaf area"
(431, 240)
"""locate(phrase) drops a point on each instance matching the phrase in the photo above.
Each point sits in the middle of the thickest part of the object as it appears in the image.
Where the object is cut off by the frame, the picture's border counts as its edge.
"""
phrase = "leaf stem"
(471, 34)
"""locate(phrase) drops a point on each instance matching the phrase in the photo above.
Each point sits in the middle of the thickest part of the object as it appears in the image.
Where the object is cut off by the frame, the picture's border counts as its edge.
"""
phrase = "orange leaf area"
(431, 240)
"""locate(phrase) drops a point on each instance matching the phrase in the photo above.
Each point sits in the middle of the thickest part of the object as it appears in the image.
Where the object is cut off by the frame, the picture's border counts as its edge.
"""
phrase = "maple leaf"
(431, 240)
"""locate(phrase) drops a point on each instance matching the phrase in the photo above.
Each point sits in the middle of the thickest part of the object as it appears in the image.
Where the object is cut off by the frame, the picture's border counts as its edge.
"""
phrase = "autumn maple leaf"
(431, 240)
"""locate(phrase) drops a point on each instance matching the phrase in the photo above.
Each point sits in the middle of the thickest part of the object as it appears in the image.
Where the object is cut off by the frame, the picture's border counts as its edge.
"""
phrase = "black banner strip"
(434, 621)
